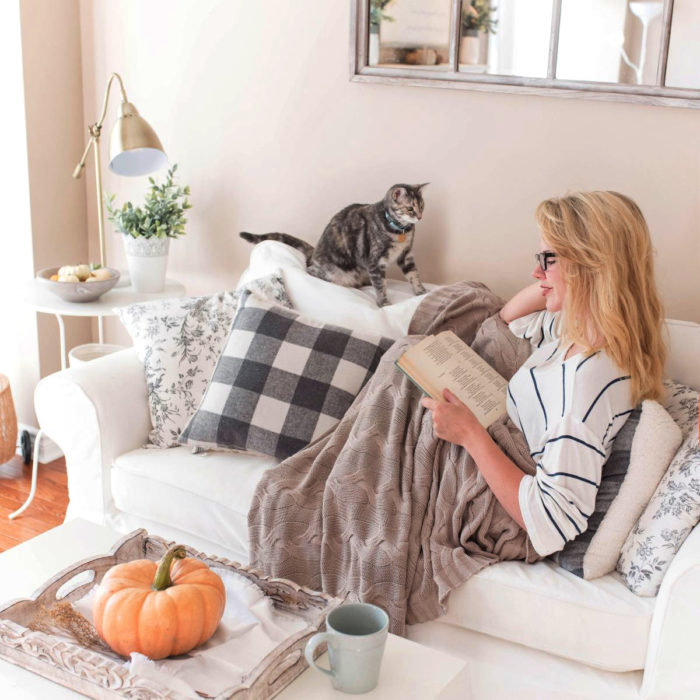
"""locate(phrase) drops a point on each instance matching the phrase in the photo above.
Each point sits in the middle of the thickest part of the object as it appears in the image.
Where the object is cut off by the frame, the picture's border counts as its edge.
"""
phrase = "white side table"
(39, 298)
(35, 295)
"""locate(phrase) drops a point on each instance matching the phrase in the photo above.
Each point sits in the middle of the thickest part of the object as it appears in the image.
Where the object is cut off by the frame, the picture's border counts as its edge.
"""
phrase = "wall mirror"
(632, 50)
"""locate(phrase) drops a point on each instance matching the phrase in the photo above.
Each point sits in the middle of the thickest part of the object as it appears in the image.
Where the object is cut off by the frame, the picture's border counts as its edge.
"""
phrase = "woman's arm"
(523, 303)
(454, 422)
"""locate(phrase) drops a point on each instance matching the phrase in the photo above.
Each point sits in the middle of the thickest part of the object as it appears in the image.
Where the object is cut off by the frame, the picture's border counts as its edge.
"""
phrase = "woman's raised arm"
(525, 302)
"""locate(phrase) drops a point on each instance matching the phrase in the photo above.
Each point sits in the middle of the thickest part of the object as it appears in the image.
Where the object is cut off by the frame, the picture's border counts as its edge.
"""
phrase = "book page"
(444, 361)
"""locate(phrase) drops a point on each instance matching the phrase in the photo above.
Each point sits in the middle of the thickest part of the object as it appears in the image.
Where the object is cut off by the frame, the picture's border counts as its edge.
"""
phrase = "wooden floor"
(46, 510)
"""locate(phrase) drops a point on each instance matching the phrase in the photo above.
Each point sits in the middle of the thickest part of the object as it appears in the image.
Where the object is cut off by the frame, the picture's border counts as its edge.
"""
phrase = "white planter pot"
(147, 259)
(373, 53)
(470, 49)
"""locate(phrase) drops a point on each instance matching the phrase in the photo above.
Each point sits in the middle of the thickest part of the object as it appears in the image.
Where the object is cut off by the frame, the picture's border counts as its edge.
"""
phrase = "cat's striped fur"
(360, 241)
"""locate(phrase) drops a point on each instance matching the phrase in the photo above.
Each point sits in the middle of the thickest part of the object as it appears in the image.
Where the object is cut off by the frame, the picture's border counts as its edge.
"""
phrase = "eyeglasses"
(545, 258)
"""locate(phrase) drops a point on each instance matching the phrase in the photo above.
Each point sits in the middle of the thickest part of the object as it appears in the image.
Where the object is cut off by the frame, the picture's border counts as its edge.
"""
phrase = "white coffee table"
(409, 670)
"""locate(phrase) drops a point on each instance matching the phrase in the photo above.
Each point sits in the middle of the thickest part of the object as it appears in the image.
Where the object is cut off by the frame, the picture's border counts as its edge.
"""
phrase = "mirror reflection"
(412, 33)
(610, 41)
(591, 45)
(508, 38)
(684, 48)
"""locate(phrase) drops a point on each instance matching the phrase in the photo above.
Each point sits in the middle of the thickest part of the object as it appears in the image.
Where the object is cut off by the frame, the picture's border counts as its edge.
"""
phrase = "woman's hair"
(603, 242)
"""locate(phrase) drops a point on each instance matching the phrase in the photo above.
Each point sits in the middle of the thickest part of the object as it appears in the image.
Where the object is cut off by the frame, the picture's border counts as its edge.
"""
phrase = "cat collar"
(395, 225)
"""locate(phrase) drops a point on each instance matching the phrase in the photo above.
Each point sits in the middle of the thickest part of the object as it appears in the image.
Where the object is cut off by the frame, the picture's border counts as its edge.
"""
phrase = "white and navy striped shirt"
(570, 411)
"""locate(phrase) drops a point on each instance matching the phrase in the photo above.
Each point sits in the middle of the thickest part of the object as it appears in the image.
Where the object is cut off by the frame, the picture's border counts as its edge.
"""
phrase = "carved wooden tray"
(99, 675)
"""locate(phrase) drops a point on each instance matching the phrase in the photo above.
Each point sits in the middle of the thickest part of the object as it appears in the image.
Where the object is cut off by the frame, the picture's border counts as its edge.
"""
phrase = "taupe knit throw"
(380, 509)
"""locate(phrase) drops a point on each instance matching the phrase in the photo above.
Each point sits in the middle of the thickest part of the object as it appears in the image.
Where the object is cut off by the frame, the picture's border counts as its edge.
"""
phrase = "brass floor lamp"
(134, 149)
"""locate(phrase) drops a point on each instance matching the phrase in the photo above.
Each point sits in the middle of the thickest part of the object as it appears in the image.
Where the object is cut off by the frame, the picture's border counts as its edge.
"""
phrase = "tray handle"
(284, 665)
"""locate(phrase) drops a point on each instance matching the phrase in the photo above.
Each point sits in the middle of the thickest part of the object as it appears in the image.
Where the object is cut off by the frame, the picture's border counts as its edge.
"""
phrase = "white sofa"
(527, 631)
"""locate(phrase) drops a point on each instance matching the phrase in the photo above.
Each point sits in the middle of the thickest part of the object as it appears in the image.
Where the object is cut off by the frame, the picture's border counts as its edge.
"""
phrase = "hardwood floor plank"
(48, 508)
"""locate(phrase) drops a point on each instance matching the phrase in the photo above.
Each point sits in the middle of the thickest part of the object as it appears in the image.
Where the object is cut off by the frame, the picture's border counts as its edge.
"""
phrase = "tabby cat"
(361, 240)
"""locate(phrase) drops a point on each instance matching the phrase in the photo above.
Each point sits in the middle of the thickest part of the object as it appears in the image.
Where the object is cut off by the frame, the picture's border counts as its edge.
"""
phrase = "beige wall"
(56, 138)
(44, 215)
(19, 349)
(253, 100)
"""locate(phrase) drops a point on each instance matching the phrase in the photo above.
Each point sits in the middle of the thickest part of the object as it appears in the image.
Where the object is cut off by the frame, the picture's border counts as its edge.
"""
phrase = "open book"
(444, 361)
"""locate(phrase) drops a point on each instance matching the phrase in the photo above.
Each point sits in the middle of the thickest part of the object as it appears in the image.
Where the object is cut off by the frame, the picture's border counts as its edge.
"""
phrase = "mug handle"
(311, 647)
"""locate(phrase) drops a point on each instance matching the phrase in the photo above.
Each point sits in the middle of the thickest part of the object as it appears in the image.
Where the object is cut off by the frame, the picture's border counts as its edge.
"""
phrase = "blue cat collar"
(395, 225)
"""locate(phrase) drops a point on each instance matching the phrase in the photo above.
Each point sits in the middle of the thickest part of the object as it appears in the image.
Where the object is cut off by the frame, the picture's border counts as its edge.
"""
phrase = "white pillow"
(332, 303)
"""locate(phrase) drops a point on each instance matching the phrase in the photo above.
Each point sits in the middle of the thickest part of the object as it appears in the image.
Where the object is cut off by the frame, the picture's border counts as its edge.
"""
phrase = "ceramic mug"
(356, 636)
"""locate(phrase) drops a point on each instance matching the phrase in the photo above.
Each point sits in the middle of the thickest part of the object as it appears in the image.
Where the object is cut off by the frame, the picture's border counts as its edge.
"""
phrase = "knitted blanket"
(380, 509)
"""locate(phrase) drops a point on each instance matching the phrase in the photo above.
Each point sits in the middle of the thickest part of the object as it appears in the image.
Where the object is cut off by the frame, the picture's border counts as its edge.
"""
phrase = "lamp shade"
(134, 148)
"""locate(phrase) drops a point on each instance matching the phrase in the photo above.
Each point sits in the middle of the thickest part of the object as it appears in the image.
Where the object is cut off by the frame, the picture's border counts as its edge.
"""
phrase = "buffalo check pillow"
(282, 381)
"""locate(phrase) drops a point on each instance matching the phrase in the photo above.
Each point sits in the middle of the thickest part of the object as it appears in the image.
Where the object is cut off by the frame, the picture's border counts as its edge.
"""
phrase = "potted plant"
(148, 229)
(376, 17)
(476, 19)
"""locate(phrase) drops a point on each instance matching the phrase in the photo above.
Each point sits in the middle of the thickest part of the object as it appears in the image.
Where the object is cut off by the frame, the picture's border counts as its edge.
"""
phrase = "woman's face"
(551, 280)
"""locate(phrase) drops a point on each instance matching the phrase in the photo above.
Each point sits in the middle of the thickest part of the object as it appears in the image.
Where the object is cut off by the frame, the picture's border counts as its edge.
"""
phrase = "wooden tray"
(99, 675)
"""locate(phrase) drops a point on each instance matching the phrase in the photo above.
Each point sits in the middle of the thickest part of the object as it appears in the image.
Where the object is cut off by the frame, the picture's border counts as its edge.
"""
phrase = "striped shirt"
(570, 412)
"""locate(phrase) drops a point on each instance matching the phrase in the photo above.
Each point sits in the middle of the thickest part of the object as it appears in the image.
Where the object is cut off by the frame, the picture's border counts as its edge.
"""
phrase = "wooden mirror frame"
(658, 94)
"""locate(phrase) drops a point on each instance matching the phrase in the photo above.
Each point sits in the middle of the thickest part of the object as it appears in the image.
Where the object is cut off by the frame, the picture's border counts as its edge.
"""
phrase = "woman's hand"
(452, 420)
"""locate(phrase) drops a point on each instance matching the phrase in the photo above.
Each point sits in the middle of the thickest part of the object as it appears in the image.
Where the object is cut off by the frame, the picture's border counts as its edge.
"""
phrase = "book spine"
(425, 391)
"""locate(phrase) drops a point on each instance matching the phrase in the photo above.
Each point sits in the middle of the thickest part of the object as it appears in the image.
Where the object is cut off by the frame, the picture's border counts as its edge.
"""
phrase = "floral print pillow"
(682, 404)
(179, 342)
(668, 519)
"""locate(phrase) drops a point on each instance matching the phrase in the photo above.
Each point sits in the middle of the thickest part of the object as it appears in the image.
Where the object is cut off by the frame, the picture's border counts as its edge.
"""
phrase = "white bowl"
(77, 291)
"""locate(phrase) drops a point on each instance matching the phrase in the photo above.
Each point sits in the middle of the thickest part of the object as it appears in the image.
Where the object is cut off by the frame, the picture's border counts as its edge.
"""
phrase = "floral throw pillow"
(682, 404)
(179, 342)
(671, 514)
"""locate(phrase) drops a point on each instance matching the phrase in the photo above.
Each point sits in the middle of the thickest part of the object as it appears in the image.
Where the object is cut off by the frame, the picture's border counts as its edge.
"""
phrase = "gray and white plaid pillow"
(282, 381)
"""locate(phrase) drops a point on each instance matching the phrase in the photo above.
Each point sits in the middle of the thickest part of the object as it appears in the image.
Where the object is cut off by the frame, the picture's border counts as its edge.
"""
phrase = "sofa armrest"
(94, 412)
(672, 668)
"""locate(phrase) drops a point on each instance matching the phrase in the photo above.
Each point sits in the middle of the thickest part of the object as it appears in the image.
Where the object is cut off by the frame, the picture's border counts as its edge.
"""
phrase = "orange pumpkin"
(157, 610)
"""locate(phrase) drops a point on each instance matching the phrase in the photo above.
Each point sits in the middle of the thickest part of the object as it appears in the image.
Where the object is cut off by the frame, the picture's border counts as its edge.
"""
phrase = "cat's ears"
(399, 191)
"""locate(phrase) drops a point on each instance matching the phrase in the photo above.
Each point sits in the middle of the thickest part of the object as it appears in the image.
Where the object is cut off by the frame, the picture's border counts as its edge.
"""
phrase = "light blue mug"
(356, 636)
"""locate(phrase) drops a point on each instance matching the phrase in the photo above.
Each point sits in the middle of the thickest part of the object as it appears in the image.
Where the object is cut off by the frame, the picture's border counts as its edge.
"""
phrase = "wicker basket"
(8, 422)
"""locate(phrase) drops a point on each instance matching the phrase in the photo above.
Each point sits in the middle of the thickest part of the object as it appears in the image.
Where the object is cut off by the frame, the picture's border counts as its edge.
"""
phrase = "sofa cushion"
(206, 494)
(282, 381)
(600, 623)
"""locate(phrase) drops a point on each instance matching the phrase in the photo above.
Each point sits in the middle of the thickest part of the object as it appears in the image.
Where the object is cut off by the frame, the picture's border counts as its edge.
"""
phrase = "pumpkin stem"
(162, 579)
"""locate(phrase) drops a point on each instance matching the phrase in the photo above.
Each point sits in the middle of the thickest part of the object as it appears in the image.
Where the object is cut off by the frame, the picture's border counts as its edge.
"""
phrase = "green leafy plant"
(162, 214)
(376, 12)
(476, 16)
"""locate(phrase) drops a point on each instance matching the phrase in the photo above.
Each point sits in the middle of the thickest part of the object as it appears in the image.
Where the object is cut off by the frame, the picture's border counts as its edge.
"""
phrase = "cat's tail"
(297, 243)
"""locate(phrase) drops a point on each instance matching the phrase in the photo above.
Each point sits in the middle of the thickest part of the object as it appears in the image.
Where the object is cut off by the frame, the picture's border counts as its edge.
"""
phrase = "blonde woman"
(594, 320)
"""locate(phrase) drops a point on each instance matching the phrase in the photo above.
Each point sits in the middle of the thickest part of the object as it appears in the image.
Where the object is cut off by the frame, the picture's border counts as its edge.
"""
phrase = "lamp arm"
(79, 168)
(96, 128)
(98, 125)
